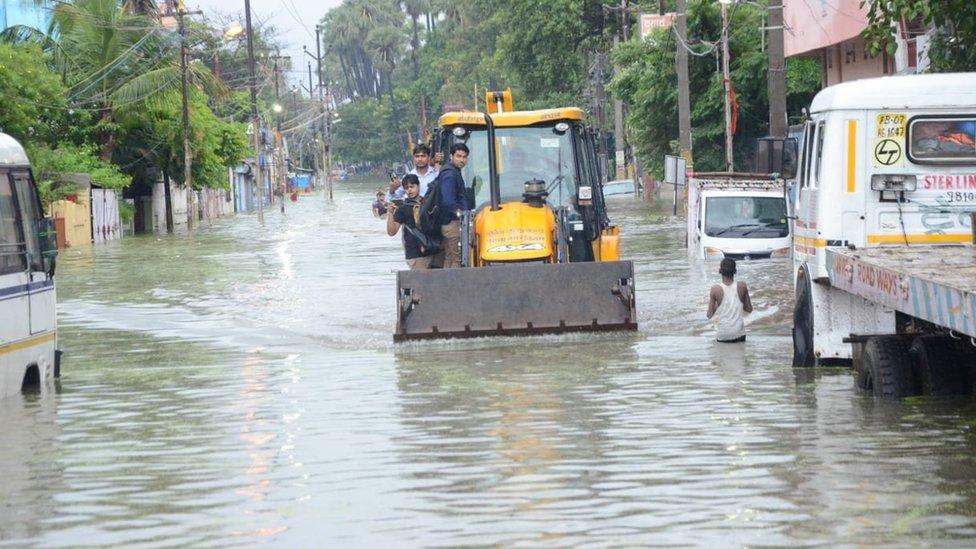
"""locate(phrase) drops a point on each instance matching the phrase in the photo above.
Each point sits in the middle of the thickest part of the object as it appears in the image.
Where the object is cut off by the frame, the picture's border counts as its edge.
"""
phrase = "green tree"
(36, 107)
(648, 83)
(954, 44)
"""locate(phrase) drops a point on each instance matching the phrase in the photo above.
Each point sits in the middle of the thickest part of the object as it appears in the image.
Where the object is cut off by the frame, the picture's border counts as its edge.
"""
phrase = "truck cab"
(885, 162)
(742, 216)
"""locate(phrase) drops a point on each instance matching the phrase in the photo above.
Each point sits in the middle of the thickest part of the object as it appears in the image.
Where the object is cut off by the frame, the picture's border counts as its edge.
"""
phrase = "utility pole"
(684, 92)
(279, 151)
(778, 126)
(618, 129)
(729, 166)
(323, 125)
(255, 119)
(191, 203)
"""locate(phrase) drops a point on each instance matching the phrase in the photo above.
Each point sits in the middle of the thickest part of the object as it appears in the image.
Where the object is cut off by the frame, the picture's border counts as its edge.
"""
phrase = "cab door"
(40, 286)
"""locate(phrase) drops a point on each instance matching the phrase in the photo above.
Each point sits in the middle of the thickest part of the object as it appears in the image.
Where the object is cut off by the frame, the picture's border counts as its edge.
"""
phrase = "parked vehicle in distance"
(742, 216)
(618, 186)
(888, 180)
(28, 246)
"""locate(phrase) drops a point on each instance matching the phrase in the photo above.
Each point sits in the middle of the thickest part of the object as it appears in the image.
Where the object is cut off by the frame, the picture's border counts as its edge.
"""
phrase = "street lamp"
(276, 107)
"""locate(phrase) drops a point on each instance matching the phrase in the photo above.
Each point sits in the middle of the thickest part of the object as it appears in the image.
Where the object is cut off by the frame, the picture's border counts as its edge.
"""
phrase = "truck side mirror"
(778, 156)
(47, 236)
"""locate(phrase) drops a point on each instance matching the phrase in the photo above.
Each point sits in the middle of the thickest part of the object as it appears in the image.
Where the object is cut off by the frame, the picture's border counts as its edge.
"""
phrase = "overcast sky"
(294, 19)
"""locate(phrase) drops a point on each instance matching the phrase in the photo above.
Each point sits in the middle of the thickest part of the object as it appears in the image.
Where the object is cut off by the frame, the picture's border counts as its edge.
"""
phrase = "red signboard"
(651, 21)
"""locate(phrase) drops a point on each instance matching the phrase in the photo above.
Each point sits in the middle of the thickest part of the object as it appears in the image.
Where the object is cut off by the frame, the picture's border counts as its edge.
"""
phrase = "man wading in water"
(728, 302)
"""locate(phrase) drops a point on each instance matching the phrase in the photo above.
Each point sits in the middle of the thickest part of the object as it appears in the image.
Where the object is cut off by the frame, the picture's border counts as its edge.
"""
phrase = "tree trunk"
(107, 137)
(414, 46)
(345, 75)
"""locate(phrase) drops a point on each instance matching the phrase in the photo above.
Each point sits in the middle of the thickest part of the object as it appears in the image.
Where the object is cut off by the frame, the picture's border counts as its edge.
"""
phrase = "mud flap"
(515, 300)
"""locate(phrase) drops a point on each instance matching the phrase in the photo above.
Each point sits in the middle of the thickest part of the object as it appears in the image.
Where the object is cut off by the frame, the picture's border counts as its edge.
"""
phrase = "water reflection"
(240, 386)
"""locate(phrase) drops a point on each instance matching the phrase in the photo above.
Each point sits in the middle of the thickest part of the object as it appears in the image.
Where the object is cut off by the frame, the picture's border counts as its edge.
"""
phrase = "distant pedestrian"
(453, 202)
(728, 303)
(416, 245)
(379, 205)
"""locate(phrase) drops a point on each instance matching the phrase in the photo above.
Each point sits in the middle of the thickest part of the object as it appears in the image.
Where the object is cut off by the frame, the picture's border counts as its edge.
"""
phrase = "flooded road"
(240, 386)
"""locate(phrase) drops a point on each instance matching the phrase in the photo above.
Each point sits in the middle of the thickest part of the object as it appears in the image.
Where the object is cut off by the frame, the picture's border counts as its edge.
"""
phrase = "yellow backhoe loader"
(538, 252)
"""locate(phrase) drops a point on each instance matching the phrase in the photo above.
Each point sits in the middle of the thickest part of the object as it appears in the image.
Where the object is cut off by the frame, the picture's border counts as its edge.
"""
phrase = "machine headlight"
(893, 182)
(780, 252)
(713, 253)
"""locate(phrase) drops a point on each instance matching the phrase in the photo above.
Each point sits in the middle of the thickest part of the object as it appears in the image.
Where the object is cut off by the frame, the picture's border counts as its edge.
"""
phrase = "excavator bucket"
(511, 300)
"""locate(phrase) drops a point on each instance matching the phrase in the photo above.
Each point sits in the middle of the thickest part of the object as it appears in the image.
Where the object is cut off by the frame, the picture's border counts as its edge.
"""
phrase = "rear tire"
(885, 368)
(803, 356)
(939, 366)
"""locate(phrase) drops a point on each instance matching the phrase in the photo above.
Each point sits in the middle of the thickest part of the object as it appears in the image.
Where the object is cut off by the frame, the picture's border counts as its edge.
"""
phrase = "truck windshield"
(746, 217)
(523, 154)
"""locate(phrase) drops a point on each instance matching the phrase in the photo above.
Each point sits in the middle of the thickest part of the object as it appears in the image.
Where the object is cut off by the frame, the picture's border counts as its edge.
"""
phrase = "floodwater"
(239, 386)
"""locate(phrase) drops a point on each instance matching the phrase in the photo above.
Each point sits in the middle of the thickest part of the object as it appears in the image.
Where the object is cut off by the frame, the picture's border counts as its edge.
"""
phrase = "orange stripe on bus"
(851, 156)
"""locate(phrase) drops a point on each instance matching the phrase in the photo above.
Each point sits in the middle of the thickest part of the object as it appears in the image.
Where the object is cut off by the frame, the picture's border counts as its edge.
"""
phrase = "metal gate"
(106, 224)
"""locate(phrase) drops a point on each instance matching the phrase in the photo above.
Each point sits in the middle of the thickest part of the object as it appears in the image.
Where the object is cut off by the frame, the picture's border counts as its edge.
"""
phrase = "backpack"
(430, 244)
(429, 219)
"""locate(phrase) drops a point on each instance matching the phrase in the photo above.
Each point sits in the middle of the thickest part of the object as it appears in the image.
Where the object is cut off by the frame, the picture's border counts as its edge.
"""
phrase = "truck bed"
(933, 283)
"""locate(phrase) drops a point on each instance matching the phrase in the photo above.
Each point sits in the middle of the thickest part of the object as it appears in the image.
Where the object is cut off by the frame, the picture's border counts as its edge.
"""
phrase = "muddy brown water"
(239, 386)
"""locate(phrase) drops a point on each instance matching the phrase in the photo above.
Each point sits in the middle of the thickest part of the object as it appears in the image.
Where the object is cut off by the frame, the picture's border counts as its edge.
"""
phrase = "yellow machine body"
(514, 232)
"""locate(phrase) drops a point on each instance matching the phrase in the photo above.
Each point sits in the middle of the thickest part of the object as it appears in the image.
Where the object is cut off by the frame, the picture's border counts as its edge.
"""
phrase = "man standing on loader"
(415, 243)
(452, 202)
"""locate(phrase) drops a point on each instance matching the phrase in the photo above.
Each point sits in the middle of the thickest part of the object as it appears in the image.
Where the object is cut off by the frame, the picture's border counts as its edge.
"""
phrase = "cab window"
(12, 247)
(942, 140)
(818, 153)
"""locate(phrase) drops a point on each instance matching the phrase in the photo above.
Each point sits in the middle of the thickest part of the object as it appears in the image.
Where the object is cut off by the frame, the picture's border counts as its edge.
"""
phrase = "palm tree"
(114, 61)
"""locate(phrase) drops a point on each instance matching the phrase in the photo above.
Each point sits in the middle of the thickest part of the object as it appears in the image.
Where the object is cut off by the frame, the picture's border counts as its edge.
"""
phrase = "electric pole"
(279, 151)
(729, 166)
(191, 210)
(684, 92)
(255, 119)
(618, 129)
(778, 126)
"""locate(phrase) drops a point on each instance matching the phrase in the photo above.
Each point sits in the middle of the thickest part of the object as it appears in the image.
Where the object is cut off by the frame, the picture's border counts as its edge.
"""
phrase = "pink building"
(831, 30)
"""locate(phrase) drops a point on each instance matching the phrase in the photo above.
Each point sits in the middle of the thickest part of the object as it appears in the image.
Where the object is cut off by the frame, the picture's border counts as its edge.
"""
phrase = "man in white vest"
(728, 303)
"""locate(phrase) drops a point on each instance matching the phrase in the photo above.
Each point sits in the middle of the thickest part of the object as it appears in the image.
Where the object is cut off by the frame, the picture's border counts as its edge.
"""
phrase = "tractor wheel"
(940, 369)
(886, 368)
(803, 356)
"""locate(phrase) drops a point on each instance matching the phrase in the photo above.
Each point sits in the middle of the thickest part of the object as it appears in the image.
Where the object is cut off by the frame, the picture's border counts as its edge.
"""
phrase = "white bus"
(28, 327)
(886, 162)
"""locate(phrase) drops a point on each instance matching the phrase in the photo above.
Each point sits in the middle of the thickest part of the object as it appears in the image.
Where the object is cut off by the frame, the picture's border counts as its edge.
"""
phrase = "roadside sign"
(651, 21)
(674, 170)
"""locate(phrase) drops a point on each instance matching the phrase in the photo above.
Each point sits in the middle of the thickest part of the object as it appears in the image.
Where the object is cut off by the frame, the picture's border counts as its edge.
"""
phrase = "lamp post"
(727, 84)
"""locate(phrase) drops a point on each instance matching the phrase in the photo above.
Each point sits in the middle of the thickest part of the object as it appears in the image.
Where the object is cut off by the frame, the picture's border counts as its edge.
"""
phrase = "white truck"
(884, 268)
(737, 215)
(28, 324)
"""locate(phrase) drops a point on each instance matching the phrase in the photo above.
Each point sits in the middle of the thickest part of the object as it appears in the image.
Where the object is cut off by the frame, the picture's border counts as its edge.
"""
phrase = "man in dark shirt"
(379, 205)
(413, 249)
(453, 202)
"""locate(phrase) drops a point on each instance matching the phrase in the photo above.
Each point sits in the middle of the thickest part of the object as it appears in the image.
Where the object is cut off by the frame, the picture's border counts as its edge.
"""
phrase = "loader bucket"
(513, 300)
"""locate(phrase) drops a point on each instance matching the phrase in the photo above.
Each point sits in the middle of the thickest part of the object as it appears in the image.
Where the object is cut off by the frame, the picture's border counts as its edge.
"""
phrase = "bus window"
(31, 215)
(12, 257)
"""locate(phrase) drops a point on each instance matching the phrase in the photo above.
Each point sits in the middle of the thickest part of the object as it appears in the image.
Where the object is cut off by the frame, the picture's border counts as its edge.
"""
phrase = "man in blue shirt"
(453, 202)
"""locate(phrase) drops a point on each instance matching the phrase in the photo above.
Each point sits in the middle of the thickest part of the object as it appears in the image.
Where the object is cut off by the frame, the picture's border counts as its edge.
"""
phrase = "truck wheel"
(803, 356)
(886, 368)
(939, 367)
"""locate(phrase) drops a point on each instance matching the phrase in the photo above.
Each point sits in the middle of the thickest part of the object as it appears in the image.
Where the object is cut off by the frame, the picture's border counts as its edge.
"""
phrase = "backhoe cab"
(538, 220)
